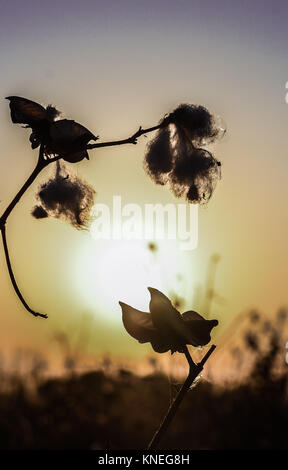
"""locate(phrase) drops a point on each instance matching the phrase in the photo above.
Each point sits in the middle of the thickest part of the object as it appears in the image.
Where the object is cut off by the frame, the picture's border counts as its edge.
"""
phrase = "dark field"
(99, 411)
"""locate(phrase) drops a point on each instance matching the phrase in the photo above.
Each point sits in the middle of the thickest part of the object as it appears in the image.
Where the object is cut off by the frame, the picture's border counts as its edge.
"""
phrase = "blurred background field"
(77, 380)
(240, 400)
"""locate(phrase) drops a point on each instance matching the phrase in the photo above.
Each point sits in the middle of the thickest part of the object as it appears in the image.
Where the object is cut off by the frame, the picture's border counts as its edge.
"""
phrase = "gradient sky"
(113, 66)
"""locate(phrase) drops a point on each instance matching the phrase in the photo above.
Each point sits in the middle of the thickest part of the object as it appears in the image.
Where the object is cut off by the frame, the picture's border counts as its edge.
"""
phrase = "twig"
(194, 371)
(130, 140)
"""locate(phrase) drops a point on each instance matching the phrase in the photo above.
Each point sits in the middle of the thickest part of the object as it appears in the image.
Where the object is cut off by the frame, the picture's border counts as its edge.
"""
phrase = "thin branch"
(39, 167)
(129, 140)
(194, 371)
(12, 278)
(3, 219)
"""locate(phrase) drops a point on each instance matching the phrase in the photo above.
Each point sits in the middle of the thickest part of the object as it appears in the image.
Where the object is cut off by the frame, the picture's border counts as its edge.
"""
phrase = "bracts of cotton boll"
(164, 326)
(175, 156)
(59, 137)
(65, 196)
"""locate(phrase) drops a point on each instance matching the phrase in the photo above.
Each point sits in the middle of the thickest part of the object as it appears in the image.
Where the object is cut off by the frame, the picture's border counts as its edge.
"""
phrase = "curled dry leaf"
(60, 137)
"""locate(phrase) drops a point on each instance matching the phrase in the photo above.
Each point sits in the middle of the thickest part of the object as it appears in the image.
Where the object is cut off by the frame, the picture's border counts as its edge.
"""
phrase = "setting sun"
(110, 271)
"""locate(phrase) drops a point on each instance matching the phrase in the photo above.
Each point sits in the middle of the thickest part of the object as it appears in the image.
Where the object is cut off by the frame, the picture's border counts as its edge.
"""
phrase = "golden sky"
(113, 69)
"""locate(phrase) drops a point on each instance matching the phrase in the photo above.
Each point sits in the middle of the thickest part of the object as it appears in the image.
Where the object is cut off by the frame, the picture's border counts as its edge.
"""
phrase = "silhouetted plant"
(251, 340)
(282, 315)
(254, 316)
(89, 409)
(166, 329)
(174, 157)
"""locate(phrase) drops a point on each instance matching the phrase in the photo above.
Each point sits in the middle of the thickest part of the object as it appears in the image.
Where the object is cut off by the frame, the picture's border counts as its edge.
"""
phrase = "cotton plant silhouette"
(166, 329)
(176, 157)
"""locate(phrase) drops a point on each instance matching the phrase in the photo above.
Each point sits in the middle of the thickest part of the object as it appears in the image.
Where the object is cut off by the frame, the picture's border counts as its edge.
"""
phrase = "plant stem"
(3, 219)
(194, 371)
(12, 277)
(20, 193)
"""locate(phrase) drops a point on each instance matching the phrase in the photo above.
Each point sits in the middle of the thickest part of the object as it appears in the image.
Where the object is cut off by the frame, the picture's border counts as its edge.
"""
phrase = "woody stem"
(12, 277)
(194, 371)
(39, 167)
(3, 219)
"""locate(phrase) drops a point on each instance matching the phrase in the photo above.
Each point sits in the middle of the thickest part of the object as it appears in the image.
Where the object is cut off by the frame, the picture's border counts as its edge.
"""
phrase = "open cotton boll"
(164, 326)
(66, 197)
(196, 121)
(174, 156)
(195, 175)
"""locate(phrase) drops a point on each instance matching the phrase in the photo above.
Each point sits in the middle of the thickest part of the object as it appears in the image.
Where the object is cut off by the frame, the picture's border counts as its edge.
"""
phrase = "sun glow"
(110, 271)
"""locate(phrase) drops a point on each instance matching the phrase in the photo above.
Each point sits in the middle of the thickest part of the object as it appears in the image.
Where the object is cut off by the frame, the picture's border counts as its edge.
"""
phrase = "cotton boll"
(196, 121)
(67, 197)
(193, 194)
(198, 163)
(174, 156)
(195, 176)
